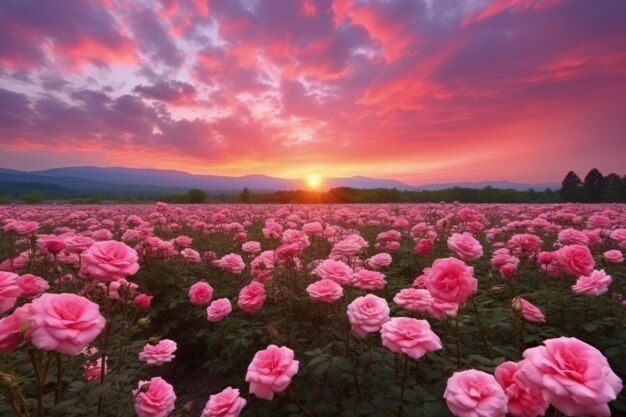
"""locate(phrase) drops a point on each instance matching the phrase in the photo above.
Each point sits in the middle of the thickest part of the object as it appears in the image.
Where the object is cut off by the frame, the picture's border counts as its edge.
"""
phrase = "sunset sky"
(417, 90)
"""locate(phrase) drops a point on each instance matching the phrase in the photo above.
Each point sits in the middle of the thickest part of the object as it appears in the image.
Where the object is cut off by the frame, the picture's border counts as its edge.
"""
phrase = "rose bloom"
(191, 256)
(529, 311)
(573, 376)
(524, 245)
(227, 403)
(102, 234)
(231, 262)
(575, 260)
(108, 261)
(595, 283)
(271, 371)
(251, 247)
(252, 297)
(183, 241)
(159, 353)
(523, 402)
(200, 293)
(78, 243)
(545, 257)
(573, 237)
(117, 289)
(440, 309)
(465, 246)
(508, 271)
(31, 285)
(337, 271)
(379, 261)
(143, 301)
(413, 299)
(423, 247)
(449, 279)
(24, 228)
(409, 336)
(11, 328)
(9, 290)
(614, 256)
(368, 280)
(325, 291)
(92, 371)
(218, 310)
(475, 393)
(154, 398)
(367, 314)
(52, 244)
(64, 323)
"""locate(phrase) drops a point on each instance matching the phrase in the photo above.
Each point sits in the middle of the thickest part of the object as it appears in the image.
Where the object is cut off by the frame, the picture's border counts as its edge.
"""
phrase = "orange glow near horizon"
(313, 181)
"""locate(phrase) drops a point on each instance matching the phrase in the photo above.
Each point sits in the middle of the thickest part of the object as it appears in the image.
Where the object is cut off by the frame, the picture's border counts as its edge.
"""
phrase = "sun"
(313, 181)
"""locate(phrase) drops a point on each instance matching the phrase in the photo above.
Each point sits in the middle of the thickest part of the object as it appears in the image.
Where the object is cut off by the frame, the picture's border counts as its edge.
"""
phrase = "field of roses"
(312, 310)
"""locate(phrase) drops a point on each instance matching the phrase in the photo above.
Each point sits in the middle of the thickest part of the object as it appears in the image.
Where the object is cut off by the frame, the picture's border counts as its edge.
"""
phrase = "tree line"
(595, 188)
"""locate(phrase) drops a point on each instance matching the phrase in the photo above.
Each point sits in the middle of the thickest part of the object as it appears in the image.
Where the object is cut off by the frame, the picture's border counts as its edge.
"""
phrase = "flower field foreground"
(355, 310)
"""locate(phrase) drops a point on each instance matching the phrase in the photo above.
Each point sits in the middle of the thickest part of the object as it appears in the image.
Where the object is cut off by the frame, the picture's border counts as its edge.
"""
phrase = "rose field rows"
(313, 310)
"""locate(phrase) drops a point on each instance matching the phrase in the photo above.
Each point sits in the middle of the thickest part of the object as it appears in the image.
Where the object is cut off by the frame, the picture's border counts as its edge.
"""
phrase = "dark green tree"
(245, 195)
(571, 187)
(195, 196)
(594, 185)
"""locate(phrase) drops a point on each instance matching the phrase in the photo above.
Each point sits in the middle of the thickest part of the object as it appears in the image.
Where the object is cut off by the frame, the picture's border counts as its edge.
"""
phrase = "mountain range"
(155, 181)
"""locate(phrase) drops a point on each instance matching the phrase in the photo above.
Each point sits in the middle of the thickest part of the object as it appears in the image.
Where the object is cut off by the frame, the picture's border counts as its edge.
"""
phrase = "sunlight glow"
(313, 181)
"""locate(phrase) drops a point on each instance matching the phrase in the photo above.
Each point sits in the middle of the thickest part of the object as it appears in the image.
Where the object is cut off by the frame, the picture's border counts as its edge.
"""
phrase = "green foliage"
(33, 197)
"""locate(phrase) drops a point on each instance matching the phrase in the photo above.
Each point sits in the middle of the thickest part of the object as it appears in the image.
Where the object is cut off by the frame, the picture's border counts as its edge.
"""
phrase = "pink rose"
(475, 393)
(108, 261)
(183, 241)
(325, 291)
(595, 283)
(143, 301)
(191, 256)
(523, 402)
(529, 311)
(545, 257)
(465, 246)
(218, 310)
(379, 261)
(64, 323)
(252, 297)
(11, 328)
(368, 280)
(614, 256)
(367, 314)
(200, 293)
(423, 247)
(251, 247)
(409, 336)
(508, 271)
(271, 371)
(52, 244)
(154, 398)
(159, 353)
(24, 228)
(92, 371)
(572, 375)
(337, 271)
(78, 243)
(575, 260)
(32, 286)
(413, 299)
(450, 280)
(231, 262)
(440, 309)
(227, 403)
(9, 290)
(524, 245)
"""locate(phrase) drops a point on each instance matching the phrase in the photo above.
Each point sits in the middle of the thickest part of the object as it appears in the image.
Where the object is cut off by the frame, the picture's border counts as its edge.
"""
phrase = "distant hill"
(155, 181)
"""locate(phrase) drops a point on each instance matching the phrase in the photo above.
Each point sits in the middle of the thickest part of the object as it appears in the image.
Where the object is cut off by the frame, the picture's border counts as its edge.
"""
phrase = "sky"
(416, 90)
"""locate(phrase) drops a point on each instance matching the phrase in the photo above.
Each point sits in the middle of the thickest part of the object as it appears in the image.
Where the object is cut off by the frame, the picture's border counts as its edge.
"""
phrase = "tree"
(196, 196)
(594, 185)
(245, 195)
(613, 191)
(571, 187)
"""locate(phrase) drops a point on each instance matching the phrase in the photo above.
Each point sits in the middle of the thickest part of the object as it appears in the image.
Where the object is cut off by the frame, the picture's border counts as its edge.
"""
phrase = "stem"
(402, 384)
(458, 342)
(57, 389)
(483, 331)
(298, 404)
(35, 360)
